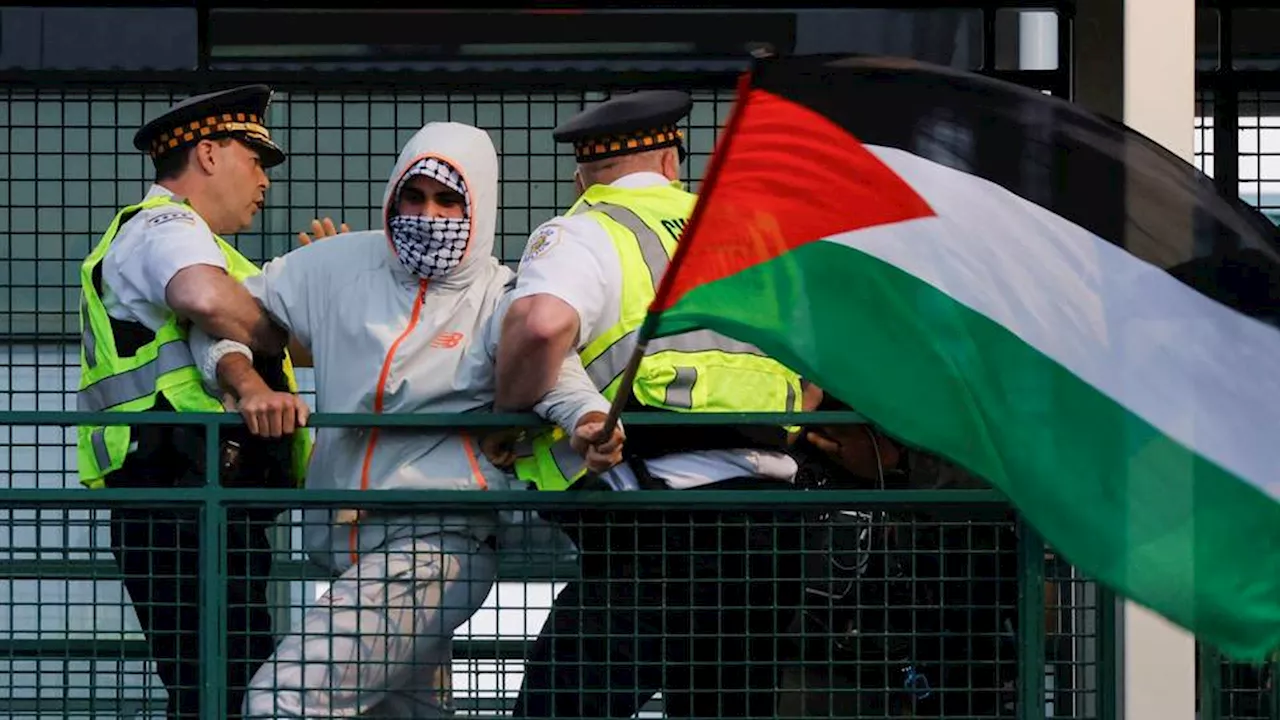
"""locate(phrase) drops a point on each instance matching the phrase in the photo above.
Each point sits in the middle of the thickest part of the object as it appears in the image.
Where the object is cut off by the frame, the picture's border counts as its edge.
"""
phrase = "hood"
(470, 151)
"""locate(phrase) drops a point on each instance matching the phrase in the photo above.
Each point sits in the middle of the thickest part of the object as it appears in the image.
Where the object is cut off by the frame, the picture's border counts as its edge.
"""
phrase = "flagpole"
(623, 396)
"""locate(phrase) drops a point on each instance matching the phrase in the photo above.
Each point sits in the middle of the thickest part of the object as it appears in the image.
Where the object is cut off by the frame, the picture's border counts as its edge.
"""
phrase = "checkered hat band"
(245, 123)
(602, 147)
(440, 171)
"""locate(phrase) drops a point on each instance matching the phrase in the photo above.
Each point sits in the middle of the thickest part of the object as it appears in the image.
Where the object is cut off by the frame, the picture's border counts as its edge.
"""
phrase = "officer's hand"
(600, 454)
(272, 414)
(321, 230)
(350, 516)
(855, 447)
(500, 447)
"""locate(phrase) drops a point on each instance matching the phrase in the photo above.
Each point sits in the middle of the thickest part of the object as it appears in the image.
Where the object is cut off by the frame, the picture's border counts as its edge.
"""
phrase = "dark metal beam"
(1226, 116)
(416, 81)
(443, 82)
(1256, 80)
(717, 33)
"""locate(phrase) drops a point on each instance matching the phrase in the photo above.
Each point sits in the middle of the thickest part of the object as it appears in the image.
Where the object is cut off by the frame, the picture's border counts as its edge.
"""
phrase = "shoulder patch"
(167, 216)
(541, 241)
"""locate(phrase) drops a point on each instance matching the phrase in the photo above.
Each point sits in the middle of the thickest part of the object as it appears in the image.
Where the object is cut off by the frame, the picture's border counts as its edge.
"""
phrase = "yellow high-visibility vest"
(699, 371)
(162, 367)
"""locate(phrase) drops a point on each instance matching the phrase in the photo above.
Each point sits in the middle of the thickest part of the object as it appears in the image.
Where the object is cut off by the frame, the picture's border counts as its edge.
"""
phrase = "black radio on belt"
(244, 460)
(251, 461)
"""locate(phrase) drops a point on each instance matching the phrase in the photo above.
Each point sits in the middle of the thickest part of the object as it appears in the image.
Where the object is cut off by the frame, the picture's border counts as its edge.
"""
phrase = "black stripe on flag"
(1094, 172)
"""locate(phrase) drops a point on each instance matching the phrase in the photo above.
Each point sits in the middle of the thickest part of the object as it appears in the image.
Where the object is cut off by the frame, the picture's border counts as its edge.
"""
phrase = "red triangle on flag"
(745, 216)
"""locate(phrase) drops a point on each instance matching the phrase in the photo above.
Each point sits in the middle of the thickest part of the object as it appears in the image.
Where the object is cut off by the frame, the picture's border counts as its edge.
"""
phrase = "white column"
(1159, 71)
(1037, 40)
(1158, 660)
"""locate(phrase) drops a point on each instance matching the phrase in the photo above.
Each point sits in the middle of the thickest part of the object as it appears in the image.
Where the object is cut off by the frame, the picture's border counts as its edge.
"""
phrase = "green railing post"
(213, 650)
(1110, 644)
(1275, 689)
(1210, 683)
(1031, 632)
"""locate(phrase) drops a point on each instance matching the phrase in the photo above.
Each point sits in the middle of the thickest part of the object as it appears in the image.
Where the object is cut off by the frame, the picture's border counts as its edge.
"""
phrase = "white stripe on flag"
(1200, 372)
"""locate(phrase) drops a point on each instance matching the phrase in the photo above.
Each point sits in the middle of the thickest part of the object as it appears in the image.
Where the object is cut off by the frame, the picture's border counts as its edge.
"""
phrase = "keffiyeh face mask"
(431, 247)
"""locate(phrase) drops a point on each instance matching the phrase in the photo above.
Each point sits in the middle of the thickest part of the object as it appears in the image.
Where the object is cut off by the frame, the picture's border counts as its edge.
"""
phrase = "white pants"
(378, 644)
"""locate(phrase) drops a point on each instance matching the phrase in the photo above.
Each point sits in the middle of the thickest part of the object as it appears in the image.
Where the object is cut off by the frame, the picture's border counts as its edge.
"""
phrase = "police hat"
(630, 123)
(238, 113)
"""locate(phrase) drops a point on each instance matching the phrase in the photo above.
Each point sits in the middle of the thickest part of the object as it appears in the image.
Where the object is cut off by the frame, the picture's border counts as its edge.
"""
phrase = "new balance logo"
(447, 340)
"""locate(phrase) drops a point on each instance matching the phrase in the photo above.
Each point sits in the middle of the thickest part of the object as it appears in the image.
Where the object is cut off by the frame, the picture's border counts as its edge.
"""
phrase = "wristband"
(219, 350)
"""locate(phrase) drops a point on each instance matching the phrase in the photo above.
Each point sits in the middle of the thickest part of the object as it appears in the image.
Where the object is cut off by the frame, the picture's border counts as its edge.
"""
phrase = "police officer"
(161, 268)
(660, 603)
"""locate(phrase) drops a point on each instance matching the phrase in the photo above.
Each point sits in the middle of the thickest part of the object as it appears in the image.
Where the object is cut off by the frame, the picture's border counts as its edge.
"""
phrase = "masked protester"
(402, 320)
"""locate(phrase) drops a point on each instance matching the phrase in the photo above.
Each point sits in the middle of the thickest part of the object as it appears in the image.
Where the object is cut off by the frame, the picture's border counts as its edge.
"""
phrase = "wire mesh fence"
(829, 602)
(70, 166)
(1259, 152)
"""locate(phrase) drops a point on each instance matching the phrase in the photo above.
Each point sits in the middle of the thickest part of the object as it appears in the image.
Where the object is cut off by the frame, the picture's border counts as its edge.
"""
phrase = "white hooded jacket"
(385, 341)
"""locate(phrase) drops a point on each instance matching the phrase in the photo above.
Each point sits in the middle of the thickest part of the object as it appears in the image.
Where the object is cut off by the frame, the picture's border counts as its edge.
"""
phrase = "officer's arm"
(537, 333)
(266, 412)
(560, 294)
(572, 396)
(227, 366)
(222, 307)
(575, 404)
(179, 265)
(236, 375)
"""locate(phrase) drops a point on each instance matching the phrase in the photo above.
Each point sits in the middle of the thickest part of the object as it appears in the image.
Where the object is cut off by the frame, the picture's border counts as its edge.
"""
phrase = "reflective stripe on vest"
(163, 366)
(87, 341)
(136, 383)
(740, 375)
(651, 247)
(98, 439)
(608, 366)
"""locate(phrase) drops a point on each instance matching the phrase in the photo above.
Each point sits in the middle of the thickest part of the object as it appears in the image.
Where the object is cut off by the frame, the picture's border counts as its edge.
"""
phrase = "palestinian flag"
(1045, 297)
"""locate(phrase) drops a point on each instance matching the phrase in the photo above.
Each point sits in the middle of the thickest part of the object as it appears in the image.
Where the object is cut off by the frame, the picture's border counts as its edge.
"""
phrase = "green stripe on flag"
(1133, 509)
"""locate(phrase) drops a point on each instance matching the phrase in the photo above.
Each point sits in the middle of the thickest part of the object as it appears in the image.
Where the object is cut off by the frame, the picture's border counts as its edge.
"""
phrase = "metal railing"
(1033, 637)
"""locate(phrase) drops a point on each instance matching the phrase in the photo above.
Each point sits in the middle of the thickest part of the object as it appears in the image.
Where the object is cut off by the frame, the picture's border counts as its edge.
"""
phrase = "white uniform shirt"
(573, 259)
(147, 252)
